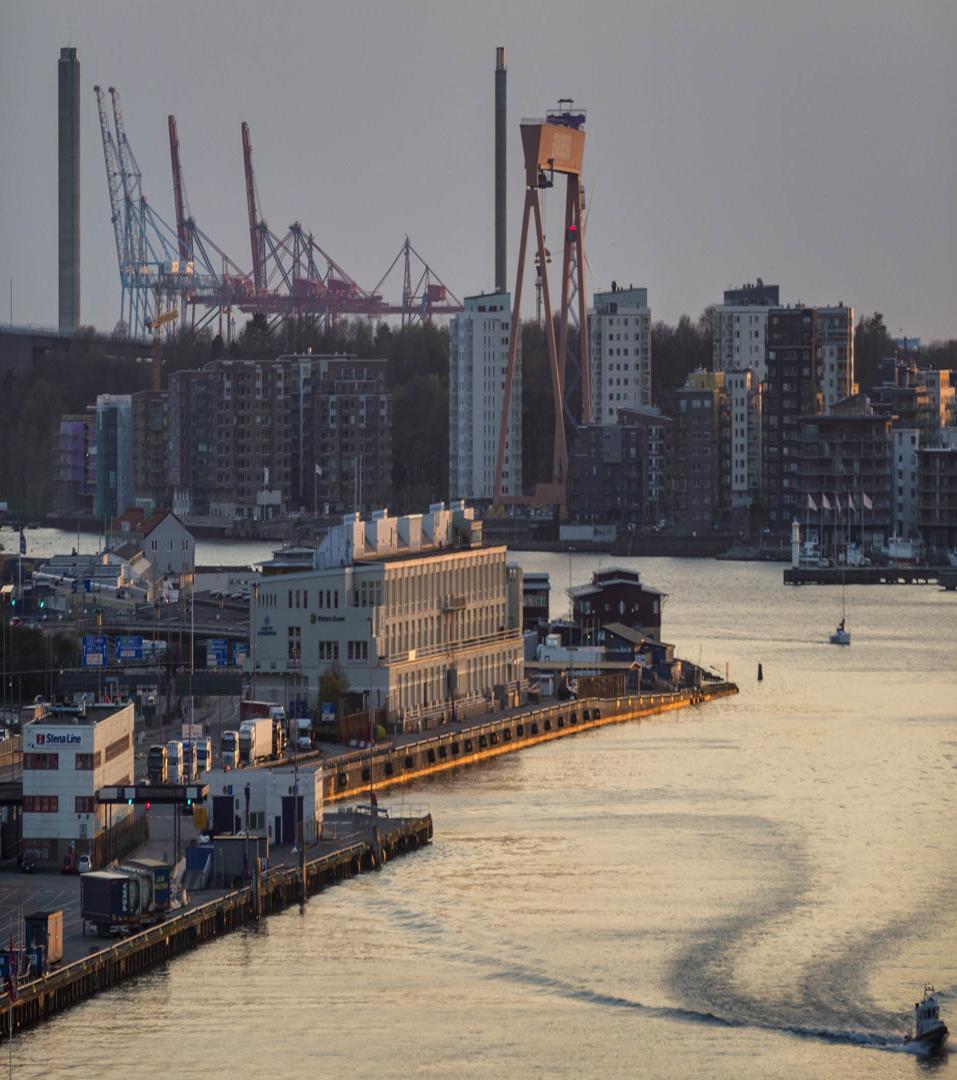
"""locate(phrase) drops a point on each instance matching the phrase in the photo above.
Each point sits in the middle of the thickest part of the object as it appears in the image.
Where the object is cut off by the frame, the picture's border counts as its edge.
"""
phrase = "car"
(29, 860)
(86, 864)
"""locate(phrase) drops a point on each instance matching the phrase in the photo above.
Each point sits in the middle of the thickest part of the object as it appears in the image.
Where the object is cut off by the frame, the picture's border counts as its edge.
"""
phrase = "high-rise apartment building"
(75, 486)
(904, 482)
(478, 359)
(834, 340)
(151, 465)
(744, 404)
(190, 408)
(739, 328)
(619, 342)
(114, 455)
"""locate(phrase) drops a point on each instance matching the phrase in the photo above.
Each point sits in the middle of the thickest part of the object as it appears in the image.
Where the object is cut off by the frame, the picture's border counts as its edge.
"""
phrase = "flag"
(23, 543)
(12, 972)
(811, 504)
(825, 504)
(868, 505)
(837, 503)
(318, 470)
(850, 503)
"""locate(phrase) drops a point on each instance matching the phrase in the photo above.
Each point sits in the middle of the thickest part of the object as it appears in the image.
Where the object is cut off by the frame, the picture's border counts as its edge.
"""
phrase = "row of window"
(117, 747)
(40, 762)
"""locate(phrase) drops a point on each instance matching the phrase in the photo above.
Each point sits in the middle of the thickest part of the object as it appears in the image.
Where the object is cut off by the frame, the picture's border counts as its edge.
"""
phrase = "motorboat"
(903, 552)
(929, 1030)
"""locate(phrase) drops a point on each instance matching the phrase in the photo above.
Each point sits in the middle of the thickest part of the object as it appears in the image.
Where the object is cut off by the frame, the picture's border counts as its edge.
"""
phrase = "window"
(358, 650)
(295, 641)
(41, 761)
(40, 804)
(85, 804)
(328, 650)
(88, 762)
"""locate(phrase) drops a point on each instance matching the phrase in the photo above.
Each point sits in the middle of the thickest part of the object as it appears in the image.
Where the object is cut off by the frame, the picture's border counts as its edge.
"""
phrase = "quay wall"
(275, 890)
(351, 775)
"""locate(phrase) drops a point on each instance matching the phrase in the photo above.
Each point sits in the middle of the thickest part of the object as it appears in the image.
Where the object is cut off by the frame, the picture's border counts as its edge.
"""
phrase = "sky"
(811, 144)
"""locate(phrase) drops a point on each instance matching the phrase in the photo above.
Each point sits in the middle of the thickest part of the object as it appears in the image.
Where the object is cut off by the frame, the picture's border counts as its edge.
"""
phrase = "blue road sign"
(95, 650)
(128, 648)
(217, 653)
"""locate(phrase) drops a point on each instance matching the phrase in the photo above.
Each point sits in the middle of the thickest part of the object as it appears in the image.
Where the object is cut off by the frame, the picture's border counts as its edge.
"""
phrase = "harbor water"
(758, 887)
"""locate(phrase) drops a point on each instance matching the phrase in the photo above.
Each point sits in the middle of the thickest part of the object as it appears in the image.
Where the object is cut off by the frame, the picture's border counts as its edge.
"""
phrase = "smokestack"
(68, 78)
(501, 285)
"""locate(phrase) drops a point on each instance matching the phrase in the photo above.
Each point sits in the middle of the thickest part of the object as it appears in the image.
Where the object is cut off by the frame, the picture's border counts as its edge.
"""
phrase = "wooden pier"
(945, 576)
(275, 890)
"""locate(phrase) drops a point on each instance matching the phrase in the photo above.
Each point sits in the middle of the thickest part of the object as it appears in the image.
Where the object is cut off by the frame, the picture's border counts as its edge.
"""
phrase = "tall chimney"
(69, 188)
(501, 285)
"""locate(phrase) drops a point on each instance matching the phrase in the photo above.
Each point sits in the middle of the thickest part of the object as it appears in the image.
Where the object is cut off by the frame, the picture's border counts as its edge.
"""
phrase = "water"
(759, 887)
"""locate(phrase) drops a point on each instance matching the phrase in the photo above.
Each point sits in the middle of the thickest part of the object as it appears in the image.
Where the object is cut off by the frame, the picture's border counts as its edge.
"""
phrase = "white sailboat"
(842, 636)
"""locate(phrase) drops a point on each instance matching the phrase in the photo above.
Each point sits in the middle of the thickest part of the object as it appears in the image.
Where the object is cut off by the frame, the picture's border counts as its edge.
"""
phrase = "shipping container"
(45, 928)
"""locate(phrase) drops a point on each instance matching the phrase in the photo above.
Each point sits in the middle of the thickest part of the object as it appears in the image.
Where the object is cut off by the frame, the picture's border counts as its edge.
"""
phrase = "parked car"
(29, 860)
(85, 864)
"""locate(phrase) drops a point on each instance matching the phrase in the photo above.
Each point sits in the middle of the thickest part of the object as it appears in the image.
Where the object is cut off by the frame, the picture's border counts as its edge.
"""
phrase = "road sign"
(129, 648)
(328, 711)
(217, 653)
(240, 653)
(95, 649)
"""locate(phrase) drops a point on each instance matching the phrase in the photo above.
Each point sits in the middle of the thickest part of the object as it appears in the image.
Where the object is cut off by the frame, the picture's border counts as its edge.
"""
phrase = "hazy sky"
(810, 143)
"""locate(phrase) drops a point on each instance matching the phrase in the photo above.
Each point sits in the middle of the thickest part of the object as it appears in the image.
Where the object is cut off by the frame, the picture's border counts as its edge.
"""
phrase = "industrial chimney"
(69, 188)
(501, 285)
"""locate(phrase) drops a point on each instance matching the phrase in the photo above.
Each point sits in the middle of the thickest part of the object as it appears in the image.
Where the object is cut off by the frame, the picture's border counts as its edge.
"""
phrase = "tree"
(334, 687)
(872, 344)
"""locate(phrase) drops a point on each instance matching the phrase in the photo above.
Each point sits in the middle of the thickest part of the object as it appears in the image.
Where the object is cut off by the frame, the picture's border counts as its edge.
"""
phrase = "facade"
(76, 464)
(259, 438)
(619, 341)
(906, 448)
(414, 610)
(114, 455)
(655, 454)
(700, 471)
(615, 595)
(739, 328)
(151, 472)
(67, 758)
(937, 495)
(273, 797)
(744, 402)
(904, 395)
(943, 396)
(478, 362)
(834, 341)
(161, 539)
(844, 456)
(792, 390)
(536, 592)
(605, 473)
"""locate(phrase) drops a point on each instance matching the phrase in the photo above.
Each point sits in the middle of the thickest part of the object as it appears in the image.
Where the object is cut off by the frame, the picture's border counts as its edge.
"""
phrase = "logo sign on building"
(94, 650)
(128, 648)
(267, 629)
(240, 653)
(217, 653)
(328, 711)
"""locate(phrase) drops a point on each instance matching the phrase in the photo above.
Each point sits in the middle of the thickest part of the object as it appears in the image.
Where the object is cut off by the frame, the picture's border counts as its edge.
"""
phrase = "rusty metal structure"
(553, 145)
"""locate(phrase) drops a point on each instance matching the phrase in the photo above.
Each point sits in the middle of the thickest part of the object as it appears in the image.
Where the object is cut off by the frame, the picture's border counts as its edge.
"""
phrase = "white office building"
(414, 610)
(834, 341)
(619, 343)
(744, 397)
(67, 758)
(906, 446)
(740, 329)
(478, 362)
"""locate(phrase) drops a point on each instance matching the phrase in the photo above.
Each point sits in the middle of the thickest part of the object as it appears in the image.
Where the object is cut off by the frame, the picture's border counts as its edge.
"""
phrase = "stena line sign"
(55, 739)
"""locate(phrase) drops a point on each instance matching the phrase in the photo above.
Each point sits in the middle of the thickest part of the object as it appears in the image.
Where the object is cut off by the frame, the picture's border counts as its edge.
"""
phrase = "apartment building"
(414, 610)
(151, 465)
(478, 362)
(605, 473)
(937, 496)
(619, 342)
(834, 341)
(906, 450)
(75, 485)
(745, 407)
(739, 328)
(114, 455)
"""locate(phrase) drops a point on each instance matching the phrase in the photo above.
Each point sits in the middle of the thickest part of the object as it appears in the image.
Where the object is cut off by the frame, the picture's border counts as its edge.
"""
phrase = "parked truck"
(110, 900)
(204, 756)
(188, 768)
(174, 762)
(229, 749)
(300, 732)
(255, 740)
(156, 764)
(252, 710)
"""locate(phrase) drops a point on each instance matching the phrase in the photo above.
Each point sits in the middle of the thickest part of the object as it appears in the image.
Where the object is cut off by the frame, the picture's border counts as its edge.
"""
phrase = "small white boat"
(929, 1030)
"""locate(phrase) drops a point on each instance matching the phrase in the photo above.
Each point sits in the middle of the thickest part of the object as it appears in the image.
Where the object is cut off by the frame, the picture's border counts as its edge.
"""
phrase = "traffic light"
(189, 802)
(129, 802)
(43, 603)
(147, 806)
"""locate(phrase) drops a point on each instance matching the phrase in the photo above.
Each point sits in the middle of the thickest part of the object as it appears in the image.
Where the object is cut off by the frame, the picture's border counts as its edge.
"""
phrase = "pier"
(945, 576)
(274, 891)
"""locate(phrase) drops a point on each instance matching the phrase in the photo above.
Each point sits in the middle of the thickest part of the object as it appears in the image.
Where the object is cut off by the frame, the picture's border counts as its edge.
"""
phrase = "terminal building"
(67, 757)
(415, 610)
(277, 796)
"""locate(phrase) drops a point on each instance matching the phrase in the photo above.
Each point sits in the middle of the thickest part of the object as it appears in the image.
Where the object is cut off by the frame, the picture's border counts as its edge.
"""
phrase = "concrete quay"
(410, 757)
(945, 576)
(368, 843)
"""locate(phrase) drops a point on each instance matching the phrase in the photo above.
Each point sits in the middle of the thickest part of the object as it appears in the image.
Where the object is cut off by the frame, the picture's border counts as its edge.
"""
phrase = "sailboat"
(842, 636)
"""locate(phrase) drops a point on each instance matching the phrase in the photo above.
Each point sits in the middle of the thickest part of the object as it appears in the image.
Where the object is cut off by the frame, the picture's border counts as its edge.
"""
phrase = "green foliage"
(334, 687)
(872, 344)
(676, 351)
(32, 654)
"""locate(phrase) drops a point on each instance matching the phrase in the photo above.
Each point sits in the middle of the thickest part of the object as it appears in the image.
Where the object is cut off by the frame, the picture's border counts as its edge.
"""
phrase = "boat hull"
(931, 1040)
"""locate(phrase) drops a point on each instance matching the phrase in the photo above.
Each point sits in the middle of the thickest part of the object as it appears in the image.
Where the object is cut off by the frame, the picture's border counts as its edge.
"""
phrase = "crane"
(114, 183)
(254, 238)
(156, 324)
(179, 191)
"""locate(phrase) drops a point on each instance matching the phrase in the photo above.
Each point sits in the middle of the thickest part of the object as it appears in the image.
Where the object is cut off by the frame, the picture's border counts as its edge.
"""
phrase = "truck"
(156, 764)
(252, 710)
(158, 874)
(229, 749)
(188, 768)
(174, 762)
(278, 738)
(109, 900)
(204, 756)
(300, 732)
(255, 740)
